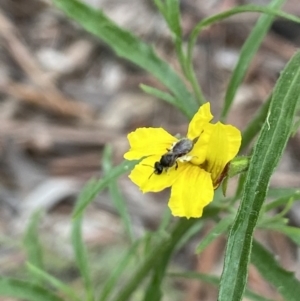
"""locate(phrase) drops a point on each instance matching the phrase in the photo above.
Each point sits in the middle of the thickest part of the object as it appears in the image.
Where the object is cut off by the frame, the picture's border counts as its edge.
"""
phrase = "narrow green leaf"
(59, 285)
(285, 282)
(116, 195)
(256, 124)
(226, 14)
(32, 243)
(282, 201)
(283, 192)
(161, 7)
(157, 246)
(93, 187)
(292, 232)
(159, 94)
(181, 233)
(80, 251)
(220, 228)
(240, 188)
(215, 281)
(172, 9)
(111, 282)
(143, 269)
(217, 18)
(165, 221)
(266, 154)
(161, 248)
(192, 231)
(247, 53)
(183, 227)
(25, 290)
(194, 275)
(279, 218)
(126, 45)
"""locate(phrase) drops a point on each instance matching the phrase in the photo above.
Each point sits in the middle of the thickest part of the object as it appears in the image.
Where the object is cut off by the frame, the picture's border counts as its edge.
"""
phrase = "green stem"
(191, 76)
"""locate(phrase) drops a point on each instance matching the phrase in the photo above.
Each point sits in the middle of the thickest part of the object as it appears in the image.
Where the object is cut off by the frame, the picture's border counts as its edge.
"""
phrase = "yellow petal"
(199, 151)
(144, 177)
(148, 141)
(224, 142)
(191, 192)
(198, 122)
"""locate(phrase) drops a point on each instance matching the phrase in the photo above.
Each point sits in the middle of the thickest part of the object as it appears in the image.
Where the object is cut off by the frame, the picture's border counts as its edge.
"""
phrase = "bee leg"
(176, 165)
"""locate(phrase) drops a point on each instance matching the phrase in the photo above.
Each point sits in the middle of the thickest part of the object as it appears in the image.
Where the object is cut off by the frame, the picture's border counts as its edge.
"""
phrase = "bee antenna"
(151, 167)
(151, 175)
(147, 165)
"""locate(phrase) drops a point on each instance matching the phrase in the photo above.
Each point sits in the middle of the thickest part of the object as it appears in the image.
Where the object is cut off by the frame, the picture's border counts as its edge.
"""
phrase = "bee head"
(158, 168)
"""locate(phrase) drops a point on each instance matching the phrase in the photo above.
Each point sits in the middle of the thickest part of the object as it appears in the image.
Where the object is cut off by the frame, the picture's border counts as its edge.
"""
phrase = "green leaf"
(192, 231)
(128, 46)
(215, 281)
(282, 201)
(93, 187)
(247, 53)
(174, 17)
(32, 243)
(111, 282)
(45, 277)
(282, 192)
(180, 234)
(25, 290)
(292, 232)
(266, 154)
(194, 275)
(159, 94)
(220, 228)
(165, 221)
(116, 195)
(183, 227)
(161, 249)
(170, 10)
(143, 269)
(161, 7)
(285, 282)
(80, 251)
(217, 18)
(226, 14)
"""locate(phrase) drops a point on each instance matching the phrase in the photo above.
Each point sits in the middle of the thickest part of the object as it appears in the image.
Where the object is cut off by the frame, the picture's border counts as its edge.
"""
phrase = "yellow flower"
(195, 175)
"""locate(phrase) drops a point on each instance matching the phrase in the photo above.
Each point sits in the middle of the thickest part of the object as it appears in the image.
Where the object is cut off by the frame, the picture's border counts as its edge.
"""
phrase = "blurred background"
(64, 95)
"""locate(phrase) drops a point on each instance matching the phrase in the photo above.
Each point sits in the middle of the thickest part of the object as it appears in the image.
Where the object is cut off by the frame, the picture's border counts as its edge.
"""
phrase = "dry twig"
(45, 94)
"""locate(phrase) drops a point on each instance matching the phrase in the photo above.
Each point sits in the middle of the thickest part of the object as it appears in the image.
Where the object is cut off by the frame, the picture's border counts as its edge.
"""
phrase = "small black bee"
(179, 149)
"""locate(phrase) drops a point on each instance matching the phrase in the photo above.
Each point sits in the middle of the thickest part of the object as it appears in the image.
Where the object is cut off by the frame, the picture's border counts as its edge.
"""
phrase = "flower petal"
(199, 151)
(191, 192)
(148, 141)
(221, 143)
(198, 122)
(143, 175)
